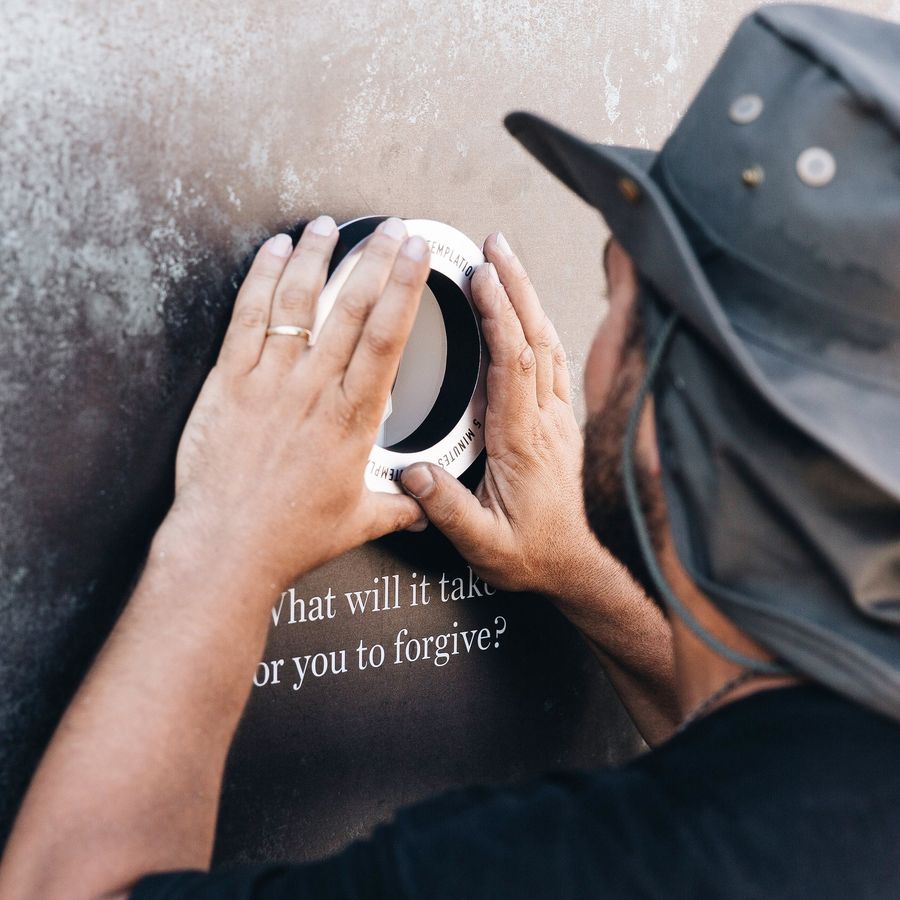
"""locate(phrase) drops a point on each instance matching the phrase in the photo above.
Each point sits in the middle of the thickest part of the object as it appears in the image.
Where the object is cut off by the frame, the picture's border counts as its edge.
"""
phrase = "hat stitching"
(868, 103)
(877, 374)
(865, 676)
(805, 632)
(655, 359)
(706, 251)
(713, 323)
(752, 472)
(814, 362)
(670, 186)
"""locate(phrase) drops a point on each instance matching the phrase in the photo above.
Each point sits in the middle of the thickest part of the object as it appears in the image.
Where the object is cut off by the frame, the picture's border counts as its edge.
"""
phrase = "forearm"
(628, 633)
(130, 782)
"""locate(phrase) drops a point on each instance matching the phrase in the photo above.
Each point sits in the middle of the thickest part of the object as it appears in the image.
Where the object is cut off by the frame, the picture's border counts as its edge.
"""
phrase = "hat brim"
(835, 410)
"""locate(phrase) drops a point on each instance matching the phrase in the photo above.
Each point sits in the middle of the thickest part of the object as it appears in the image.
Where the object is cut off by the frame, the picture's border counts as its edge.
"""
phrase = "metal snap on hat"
(770, 223)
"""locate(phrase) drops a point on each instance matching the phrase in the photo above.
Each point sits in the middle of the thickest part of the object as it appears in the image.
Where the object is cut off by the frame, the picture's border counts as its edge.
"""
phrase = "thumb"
(395, 512)
(449, 505)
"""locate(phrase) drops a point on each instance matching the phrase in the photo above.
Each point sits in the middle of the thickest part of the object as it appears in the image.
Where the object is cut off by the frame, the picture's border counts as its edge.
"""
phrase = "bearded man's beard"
(604, 490)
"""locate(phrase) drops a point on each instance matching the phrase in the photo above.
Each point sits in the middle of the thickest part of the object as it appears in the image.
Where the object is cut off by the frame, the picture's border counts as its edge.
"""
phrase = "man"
(761, 481)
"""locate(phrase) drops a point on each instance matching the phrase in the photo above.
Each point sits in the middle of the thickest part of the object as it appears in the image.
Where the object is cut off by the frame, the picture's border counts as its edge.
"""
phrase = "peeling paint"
(612, 91)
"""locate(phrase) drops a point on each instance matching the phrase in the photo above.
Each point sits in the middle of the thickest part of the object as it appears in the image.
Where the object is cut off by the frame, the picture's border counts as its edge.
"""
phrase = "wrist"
(571, 566)
(189, 544)
(590, 580)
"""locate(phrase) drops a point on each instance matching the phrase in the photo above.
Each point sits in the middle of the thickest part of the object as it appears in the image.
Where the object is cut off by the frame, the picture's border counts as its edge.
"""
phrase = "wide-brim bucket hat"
(770, 223)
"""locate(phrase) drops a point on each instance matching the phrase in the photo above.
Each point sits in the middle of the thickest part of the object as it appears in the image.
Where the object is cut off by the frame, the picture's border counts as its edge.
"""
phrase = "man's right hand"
(524, 528)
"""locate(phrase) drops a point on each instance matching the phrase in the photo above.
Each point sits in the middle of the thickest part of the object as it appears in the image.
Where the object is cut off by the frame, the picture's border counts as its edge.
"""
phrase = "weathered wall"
(146, 150)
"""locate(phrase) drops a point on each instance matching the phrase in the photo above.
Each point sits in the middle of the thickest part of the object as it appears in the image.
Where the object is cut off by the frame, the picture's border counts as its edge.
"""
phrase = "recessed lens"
(420, 375)
(436, 407)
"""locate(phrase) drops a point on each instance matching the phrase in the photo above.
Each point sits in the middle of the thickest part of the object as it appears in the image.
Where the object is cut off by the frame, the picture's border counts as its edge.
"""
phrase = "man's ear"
(618, 265)
(647, 449)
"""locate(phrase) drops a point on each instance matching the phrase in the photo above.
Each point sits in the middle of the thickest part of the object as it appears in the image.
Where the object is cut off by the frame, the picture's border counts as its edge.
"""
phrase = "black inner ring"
(349, 236)
(461, 374)
(463, 346)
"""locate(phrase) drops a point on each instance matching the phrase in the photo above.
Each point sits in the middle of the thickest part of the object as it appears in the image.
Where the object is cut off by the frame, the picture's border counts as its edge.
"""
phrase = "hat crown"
(770, 222)
(785, 170)
(861, 51)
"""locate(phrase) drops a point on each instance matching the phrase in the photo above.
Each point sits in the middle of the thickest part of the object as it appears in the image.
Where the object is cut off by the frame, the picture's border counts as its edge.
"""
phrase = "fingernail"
(415, 248)
(418, 480)
(492, 272)
(280, 245)
(503, 244)
(323, 226)
(421, 525)
(393, 228)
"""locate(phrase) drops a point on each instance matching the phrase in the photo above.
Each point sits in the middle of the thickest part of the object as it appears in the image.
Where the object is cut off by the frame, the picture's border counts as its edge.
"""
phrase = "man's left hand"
(271, 462)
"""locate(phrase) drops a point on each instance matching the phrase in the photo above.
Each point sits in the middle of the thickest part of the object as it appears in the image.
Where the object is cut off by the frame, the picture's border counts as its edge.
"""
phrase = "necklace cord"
(704, 706)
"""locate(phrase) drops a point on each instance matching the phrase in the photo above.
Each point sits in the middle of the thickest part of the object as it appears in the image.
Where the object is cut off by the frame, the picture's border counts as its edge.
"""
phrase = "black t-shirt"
(792, 792)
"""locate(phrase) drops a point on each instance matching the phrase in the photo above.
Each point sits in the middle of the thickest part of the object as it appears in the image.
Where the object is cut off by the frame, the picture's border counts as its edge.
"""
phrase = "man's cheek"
(608, 350)
(599, 371)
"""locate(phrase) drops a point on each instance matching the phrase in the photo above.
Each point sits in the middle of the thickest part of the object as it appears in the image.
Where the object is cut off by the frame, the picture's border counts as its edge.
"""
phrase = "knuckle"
(380, 342)
(403, 519)
(527, 360)
(347, 415)
(496, 333)
(545, 337)
(452, 516)
(311, 253)
(295, 297)
(502, 303)
(311, 245)
(382, 248)
(560, 357)
(264, 274)
(252, 316)
(492, 330)
(521, 278)
(407, 276)
(538, 435)
(354, 308)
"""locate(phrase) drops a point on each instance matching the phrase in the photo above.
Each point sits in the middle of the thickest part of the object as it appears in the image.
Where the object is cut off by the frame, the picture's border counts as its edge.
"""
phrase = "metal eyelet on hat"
(629, 189)
(753, 176)
(746, 109)
(816, 166)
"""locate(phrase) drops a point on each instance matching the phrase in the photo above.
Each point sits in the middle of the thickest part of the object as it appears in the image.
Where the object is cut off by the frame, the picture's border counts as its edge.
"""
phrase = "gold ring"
(289, 331)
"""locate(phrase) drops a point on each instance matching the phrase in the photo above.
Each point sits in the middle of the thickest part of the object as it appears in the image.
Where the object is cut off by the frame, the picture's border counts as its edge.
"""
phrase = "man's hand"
(524, 528)
(269, 484)
(272, 459)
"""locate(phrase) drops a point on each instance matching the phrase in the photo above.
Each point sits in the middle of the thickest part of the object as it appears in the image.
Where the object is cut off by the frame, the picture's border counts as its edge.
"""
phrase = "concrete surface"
(147, 148)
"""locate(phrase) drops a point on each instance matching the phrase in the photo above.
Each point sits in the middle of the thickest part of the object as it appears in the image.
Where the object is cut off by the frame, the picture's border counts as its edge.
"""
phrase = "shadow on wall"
(90, 422)
(90, 417)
